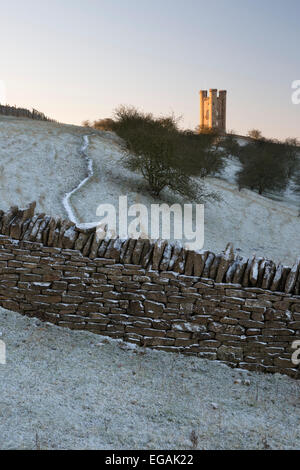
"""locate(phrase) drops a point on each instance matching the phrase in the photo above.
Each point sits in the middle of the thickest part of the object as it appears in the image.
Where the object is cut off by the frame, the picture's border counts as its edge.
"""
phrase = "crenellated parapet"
(213, 110)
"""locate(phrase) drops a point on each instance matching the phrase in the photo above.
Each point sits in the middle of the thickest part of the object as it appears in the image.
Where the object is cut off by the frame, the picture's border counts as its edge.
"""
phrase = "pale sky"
(80, 59)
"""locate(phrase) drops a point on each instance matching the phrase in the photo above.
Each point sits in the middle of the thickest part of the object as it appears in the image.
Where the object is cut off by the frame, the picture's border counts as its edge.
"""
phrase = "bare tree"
(166, 156)
(104, 124)
(292, 155)
(264, 166)
(255, 134)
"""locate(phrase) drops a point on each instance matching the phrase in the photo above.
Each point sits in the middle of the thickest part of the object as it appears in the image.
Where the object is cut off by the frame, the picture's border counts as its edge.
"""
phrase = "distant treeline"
(7, 110)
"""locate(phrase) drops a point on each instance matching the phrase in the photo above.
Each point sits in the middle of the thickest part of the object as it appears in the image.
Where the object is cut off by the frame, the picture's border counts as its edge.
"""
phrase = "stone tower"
(213, 110)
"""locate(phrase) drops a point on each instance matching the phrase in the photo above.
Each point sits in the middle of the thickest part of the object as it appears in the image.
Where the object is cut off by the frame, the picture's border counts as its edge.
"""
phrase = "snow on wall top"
(227, 267)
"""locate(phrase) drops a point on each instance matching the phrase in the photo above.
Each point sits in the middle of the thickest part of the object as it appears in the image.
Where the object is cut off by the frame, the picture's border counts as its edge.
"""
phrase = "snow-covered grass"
(62, 389)
(39, 161)
(253, 223)
(44, 161)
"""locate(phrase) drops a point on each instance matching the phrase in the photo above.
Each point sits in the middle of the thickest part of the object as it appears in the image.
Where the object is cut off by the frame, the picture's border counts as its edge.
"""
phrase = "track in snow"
(67, 199)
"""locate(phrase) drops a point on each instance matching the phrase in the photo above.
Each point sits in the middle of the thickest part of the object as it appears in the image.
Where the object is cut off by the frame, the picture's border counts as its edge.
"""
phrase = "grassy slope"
(41, 161)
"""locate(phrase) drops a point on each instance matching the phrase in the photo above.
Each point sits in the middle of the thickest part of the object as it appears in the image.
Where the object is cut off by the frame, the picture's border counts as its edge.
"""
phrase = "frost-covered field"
(43, 161)
(38, 161)
(62, 389)
(253, 223)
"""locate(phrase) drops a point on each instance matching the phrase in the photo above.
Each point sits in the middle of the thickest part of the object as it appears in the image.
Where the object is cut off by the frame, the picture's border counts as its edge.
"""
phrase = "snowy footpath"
(90, 173)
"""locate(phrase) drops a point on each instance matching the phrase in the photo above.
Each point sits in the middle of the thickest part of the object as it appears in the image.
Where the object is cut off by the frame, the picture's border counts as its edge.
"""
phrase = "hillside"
(64, 389)
(67, 389)
(44, 161)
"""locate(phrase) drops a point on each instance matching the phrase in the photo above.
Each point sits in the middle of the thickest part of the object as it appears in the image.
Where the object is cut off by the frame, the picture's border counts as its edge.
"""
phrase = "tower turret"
(213, 110)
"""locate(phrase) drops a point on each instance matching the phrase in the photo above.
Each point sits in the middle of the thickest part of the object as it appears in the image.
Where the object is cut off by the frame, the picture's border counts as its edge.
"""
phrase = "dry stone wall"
(245, 313)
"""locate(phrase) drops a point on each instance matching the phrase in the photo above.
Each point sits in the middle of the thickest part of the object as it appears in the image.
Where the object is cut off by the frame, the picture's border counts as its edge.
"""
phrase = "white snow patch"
(67, 198)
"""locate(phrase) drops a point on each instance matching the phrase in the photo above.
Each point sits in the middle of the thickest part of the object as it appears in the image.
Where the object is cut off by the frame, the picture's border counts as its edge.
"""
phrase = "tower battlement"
(213, 109)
